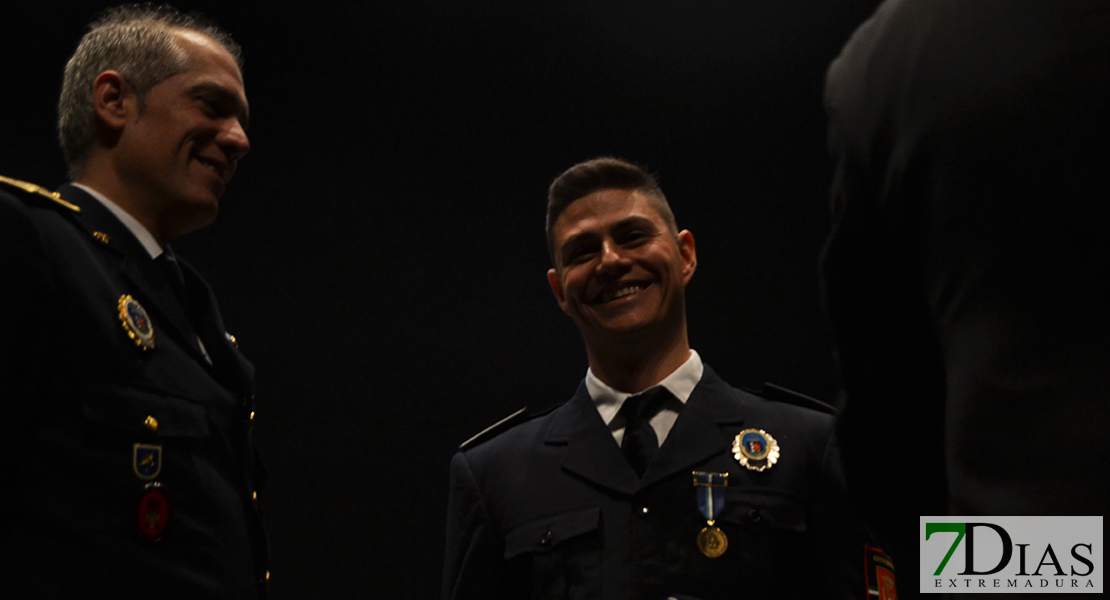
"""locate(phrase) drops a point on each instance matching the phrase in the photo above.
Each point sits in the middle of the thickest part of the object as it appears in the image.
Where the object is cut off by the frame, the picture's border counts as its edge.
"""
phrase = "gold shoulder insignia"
(34, 189)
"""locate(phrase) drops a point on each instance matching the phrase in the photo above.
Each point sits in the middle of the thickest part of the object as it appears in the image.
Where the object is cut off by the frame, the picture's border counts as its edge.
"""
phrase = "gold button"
(254, 496)
(252, 417)
(151, 424)
(102, 237)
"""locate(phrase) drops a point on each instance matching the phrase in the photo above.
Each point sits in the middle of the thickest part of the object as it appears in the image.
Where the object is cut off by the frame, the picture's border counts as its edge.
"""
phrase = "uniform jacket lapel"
(233, 369)
(591, 453)
(134, 263)
(699, 432)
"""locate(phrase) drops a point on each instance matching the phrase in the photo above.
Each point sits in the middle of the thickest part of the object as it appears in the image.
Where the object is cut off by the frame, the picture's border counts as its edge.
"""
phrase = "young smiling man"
(125, 446)
(656, 479)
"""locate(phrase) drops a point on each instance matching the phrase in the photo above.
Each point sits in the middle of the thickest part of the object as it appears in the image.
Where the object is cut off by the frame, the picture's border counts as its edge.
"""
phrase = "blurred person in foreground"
(965, 276)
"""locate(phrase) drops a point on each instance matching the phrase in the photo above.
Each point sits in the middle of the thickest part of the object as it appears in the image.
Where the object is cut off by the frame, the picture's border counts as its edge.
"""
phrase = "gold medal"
(712, 541)
(710, 488)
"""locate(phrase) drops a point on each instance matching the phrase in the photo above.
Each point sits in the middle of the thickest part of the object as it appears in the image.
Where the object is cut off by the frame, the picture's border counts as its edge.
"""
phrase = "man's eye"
(578, 256)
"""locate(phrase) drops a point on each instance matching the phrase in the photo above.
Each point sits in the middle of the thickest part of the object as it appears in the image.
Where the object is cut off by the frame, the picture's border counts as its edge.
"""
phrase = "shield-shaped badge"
(146, 459)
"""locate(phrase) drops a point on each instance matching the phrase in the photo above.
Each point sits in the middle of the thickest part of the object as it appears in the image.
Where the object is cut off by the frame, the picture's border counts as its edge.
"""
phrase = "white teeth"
(621, 293)
(210, 166)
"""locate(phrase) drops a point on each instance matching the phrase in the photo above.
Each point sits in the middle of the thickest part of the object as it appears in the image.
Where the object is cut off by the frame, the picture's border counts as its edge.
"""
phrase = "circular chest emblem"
(755, 449)
(136, 322)
(154, 511)
(712, 542)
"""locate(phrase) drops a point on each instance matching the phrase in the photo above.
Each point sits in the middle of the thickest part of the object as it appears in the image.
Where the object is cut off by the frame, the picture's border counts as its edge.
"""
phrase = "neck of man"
(100, 175)
(634, 363)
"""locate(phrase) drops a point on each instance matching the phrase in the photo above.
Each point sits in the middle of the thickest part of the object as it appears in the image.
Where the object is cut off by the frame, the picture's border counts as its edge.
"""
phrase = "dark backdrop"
(380, 254)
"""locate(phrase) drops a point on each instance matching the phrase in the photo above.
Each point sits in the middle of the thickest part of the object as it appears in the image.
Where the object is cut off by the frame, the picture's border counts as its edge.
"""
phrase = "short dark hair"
(138, 40)
(604, 173)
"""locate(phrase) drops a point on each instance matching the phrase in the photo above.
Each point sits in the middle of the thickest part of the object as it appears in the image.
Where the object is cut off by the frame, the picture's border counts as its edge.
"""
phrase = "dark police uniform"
(550, 508)
(127, 462)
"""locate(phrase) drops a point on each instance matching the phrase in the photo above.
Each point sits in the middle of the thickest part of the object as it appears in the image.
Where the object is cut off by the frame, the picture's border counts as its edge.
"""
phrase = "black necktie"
(640, 442)
(171, 270)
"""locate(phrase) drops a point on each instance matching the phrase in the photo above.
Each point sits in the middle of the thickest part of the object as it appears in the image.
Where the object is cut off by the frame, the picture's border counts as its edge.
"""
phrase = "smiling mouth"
(610, 295)
(215, 167)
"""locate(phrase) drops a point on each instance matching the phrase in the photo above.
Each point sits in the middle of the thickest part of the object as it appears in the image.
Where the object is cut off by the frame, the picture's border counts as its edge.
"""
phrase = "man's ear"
(689, 254)
(556, 287)
(113, 100)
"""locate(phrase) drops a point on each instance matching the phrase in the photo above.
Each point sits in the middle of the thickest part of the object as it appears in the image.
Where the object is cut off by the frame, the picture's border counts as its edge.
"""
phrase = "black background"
(380, 254)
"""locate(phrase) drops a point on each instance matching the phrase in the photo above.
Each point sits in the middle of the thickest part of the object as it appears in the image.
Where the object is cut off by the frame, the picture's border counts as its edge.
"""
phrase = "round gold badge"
(712, 542)
(755, 449)
(136, 322)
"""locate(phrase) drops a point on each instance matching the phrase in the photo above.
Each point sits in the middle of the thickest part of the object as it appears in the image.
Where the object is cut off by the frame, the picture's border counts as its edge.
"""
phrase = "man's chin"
(197, 214)
(623, 332)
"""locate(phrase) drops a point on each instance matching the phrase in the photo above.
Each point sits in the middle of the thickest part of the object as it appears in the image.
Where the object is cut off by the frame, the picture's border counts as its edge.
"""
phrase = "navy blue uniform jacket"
(551, 509)
(75, 396)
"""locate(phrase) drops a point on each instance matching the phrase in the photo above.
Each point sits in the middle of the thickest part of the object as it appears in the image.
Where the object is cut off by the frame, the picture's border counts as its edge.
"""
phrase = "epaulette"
(777, 393)
(492, 431)
(40, 191)
(520, 416)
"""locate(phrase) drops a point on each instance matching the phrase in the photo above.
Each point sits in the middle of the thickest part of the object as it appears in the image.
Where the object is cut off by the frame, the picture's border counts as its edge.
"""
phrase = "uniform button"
(250, 422)
(151, 424)
(644, 511)
(266, 580)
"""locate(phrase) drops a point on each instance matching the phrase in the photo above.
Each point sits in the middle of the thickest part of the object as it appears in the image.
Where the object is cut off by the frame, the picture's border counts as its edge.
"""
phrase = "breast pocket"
(766, 528)
(555, 557)
(130, 436)
(146, 415)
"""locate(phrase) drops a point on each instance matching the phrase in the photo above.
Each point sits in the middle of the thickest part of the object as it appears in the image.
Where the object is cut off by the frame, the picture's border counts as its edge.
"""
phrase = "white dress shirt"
(680, 384)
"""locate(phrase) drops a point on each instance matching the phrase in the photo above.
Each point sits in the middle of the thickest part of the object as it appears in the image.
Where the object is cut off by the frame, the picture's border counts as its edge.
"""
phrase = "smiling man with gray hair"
(126, 451)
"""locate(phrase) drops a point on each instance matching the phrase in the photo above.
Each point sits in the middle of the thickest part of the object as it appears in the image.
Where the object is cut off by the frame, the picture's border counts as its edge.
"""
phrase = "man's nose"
(233, 140)
(613, 257)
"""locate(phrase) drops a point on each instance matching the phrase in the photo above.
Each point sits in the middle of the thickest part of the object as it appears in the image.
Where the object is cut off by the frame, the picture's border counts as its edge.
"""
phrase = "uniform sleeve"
(888, 355)
(473, 563)
(25, 317)
(838, 539)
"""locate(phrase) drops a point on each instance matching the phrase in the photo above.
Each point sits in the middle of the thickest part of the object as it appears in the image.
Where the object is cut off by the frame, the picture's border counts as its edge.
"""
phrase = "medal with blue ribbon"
(710, 488)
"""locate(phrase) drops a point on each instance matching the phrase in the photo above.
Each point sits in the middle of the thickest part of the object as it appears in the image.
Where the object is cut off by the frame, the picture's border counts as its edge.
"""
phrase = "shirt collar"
(680, 383)
(136, 228)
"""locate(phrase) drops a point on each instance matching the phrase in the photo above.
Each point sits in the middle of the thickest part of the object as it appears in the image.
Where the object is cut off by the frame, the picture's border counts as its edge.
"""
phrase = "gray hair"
(138, 41)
